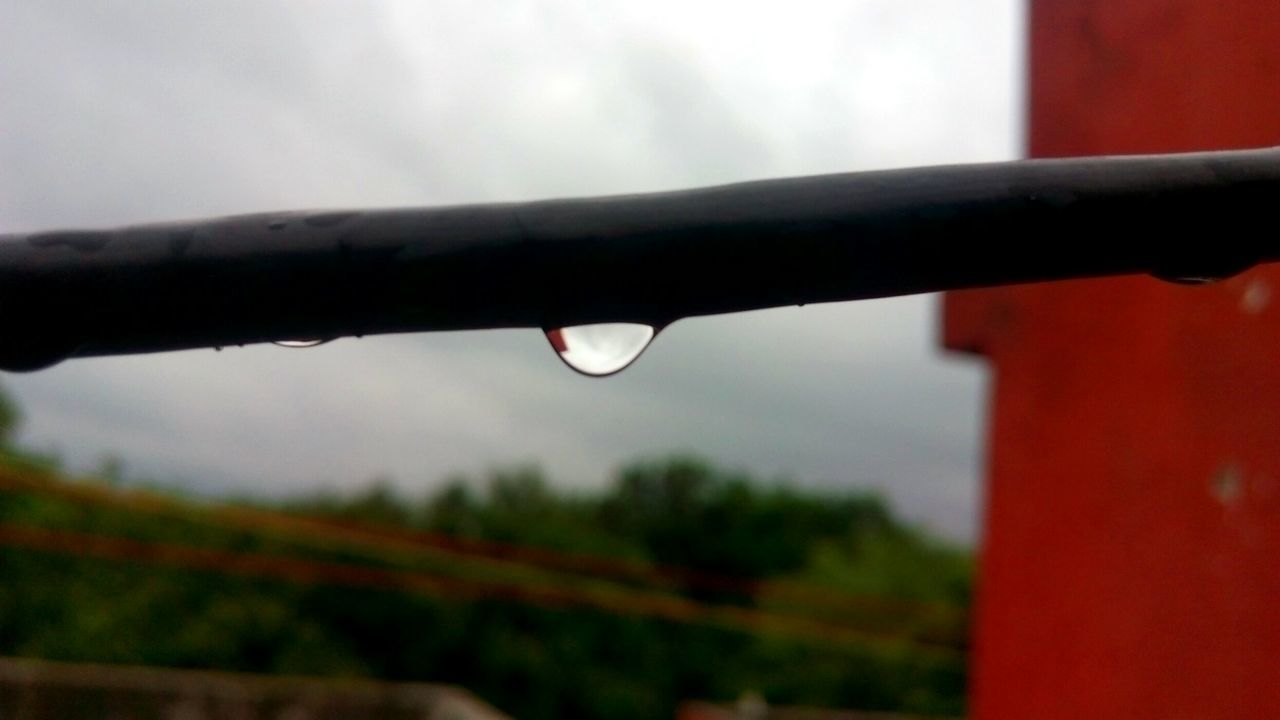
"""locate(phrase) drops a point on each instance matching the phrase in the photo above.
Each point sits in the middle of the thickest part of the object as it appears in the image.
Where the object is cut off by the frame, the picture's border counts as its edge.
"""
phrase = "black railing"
(640, 258)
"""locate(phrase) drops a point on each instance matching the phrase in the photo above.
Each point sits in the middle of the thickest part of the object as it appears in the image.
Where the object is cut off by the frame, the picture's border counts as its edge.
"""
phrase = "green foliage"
(685, 512)
(10, 419)
(535, 662)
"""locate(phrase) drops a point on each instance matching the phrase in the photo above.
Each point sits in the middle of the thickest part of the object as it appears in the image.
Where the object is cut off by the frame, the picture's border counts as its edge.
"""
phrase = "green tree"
(532, 660)
(10, 418)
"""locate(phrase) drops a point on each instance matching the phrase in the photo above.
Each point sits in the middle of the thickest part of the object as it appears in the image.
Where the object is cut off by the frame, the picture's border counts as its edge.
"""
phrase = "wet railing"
(632, 263)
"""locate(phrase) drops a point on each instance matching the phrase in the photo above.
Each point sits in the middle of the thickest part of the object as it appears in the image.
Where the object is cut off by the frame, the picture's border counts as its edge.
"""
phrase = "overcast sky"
(130, 111)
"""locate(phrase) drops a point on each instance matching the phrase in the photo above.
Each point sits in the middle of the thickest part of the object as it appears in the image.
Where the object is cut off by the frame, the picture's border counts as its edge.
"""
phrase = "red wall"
(1131, 558)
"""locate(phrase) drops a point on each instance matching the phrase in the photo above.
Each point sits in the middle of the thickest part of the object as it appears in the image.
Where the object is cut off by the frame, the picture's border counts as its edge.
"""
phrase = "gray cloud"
(122, 112)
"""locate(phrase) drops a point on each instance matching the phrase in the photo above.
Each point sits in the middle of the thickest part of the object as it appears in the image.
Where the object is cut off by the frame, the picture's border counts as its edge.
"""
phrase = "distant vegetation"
(681, 581)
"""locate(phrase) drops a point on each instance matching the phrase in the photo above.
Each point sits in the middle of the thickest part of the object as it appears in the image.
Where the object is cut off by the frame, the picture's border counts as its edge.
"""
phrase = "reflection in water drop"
(301, 343)
(603, 349)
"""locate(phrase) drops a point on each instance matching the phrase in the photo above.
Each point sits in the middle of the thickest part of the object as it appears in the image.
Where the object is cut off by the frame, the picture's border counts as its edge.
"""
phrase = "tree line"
(678, 529)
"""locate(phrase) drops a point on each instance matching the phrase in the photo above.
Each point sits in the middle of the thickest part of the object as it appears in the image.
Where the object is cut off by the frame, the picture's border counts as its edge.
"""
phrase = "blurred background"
(768, 507)
(130, 112)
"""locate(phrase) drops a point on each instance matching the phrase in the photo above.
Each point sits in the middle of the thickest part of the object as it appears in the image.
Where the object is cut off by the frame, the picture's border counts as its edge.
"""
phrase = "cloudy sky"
(129, 111)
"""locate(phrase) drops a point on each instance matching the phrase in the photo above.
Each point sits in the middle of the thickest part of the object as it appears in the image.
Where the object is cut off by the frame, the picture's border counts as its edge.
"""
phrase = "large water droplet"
(301, 343)
(603, 349)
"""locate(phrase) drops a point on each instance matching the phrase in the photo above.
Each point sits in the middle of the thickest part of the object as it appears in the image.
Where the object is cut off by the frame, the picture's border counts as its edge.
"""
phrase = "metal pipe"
(636, 258)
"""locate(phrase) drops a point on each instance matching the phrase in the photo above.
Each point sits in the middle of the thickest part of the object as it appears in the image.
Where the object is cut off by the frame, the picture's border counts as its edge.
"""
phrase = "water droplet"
(599, 350)
(1256, 297)
(1189, 279)
(1227, 484)
(301, 343)
(1204, 270)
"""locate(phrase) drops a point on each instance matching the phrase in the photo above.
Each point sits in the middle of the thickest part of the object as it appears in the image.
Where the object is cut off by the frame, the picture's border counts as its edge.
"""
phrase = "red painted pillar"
(1131, 559)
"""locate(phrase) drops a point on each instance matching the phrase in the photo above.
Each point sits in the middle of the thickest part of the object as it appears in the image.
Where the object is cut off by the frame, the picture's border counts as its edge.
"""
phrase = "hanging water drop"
(603, 349)
(1188, 279)
(1204, 271)
(301, 343)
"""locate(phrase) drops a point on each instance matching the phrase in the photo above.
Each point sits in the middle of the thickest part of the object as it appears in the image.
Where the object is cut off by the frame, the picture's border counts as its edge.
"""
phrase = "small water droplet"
(603, 349)
(301, 343)
(1256, 297)
(1189, 279)
(1204, 270)
(1227, 484)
